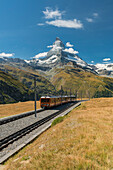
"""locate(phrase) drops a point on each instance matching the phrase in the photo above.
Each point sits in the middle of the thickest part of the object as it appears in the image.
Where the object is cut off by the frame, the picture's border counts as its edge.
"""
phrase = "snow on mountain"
(58, 55)
(7, 60)
(50, 60)
(108, 66)
(78, 60)
(27, 61)
(104, 69)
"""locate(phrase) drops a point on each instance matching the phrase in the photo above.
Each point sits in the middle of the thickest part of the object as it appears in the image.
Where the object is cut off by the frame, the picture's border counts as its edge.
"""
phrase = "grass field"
(83, 140)
(16, 108)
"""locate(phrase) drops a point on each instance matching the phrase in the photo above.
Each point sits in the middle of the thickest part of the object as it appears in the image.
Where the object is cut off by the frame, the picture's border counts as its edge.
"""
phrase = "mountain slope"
(82, 81)
(44, 86)
(11, 90)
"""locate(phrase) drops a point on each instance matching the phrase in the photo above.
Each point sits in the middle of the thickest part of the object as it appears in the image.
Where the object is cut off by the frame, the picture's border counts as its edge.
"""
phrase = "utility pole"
(70, 95)
(81, 95)
(66, 92)
(89, 91)
(89, 94)
(35, 95)
(76, 94)
(61, 93)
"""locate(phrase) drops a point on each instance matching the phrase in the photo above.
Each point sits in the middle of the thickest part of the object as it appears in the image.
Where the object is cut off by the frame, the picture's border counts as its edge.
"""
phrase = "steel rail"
(15, 136)
(18, 116)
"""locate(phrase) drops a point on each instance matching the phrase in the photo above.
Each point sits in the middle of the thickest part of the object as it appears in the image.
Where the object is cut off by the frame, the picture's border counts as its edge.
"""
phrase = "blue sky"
(27, 27)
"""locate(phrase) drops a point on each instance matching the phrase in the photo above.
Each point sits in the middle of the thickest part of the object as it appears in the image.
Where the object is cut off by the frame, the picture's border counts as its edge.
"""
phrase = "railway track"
(8, 140)
(18, 116)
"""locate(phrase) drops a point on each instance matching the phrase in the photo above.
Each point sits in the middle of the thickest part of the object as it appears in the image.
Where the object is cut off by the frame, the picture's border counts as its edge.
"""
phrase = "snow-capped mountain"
(104, 69)
(11, 60)
(58, 56)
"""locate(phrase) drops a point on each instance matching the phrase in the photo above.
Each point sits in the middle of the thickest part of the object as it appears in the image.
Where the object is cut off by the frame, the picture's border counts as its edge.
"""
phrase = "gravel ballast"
(19, 124)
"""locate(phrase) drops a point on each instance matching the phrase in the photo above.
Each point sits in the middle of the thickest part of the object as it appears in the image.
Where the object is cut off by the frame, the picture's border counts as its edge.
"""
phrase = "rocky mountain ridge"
(105, 69)
(59, 56)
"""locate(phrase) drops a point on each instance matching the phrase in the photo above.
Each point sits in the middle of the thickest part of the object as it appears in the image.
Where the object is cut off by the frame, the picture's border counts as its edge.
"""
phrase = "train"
(51, 101)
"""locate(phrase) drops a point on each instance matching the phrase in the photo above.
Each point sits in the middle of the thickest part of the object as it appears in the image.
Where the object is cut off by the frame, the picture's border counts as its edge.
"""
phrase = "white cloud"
(89, 19)
(6, 55)
(50, 14)
(106, 59)
(40, 55)
(92, 61)
(95, 14)
(68, 44)
(49, 46)
(66, 23)
(40, 24)
(71, 50)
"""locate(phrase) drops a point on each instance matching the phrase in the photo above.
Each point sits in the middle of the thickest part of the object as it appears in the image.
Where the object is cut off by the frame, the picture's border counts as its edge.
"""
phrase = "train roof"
(47, 97)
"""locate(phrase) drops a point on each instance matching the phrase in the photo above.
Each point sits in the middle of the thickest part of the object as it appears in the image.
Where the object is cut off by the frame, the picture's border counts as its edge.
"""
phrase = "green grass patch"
(57, 120)
(25, 158)
(82, 107)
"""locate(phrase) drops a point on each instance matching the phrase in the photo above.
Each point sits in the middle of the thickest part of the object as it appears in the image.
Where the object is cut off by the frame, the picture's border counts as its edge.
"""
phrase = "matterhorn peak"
(59, 56)
(58, 44)
(57, 38)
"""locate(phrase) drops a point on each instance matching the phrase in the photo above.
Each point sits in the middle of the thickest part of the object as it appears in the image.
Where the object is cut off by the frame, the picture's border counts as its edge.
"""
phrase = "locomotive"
(47, 102)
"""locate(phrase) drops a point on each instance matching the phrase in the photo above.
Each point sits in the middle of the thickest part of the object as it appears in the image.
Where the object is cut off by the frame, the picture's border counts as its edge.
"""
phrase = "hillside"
(80, 81)
(44, 86)
(11, 90)
(85, 83)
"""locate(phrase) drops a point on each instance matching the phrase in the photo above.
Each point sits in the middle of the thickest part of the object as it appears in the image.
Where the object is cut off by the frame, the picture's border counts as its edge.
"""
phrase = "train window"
(44, 100)
(51, 100)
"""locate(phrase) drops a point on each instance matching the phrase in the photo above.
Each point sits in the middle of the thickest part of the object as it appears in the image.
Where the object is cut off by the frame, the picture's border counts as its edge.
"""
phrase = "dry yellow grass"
(16, 108)
(84, 140)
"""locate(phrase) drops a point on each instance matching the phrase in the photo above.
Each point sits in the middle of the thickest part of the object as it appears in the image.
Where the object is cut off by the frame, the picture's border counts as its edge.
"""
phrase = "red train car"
(47, 102)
